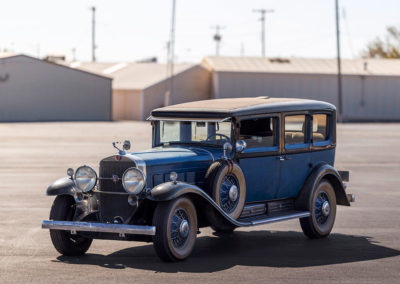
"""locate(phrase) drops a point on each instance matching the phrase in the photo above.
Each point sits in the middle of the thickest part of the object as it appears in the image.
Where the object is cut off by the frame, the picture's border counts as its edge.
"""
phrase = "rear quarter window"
(320, 131)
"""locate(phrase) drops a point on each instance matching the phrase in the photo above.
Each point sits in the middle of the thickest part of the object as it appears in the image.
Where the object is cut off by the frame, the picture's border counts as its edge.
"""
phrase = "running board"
(267, 219)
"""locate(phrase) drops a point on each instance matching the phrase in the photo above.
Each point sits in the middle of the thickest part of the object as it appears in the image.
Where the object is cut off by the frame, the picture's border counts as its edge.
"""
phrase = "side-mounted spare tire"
(225, 183)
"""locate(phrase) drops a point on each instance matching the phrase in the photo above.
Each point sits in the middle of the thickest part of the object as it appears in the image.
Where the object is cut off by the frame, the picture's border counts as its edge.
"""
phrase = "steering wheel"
(218, 134)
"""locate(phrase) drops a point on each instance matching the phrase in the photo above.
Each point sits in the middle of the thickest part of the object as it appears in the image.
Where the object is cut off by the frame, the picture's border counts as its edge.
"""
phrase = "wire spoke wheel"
(176, 229)
(180, 228)
(322, 206)
(229, 193)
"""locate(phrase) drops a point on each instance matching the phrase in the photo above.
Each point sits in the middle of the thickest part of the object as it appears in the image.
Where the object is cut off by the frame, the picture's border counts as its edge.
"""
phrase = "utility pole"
(217, 37)
(73, 50)
(93, 8)
(262, 19)
(171, 57)
(339, 76)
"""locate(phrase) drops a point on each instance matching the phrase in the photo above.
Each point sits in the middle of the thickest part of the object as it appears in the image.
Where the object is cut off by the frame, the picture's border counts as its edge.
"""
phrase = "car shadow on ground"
(261, 248)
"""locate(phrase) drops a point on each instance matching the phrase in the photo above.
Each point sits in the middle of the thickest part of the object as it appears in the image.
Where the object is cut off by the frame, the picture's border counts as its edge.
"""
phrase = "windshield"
(192, 132)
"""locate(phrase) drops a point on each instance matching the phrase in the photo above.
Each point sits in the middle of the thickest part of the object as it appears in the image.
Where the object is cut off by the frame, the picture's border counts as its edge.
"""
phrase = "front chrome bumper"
(99, 227)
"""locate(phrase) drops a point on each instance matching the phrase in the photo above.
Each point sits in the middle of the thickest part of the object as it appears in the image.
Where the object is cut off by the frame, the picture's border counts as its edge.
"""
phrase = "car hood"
(178, 155)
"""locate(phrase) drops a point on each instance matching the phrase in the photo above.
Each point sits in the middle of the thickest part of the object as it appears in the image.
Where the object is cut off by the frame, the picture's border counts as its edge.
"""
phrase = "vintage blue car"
(224, 163)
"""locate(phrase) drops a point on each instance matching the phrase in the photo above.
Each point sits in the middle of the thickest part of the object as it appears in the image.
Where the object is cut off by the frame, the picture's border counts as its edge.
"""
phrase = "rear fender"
(320, 172)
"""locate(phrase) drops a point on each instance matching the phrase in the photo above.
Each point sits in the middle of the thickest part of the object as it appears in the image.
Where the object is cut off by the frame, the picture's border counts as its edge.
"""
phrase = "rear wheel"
(63, 209)
(322, 206)
(176, 229)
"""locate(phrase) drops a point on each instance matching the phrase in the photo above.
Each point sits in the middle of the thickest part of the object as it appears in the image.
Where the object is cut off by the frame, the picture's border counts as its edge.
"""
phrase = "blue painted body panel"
(296, 169)
(266, 177)
(191, 163)
(262, 177)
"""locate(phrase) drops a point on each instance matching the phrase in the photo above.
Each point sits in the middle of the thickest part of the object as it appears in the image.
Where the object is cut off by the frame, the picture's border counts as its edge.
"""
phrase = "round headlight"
(133, 180)
(85, 178)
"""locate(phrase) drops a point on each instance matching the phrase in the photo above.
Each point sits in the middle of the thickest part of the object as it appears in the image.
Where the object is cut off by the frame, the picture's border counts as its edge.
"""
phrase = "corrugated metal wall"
(191, 85)
(366, 98)
(39, 91)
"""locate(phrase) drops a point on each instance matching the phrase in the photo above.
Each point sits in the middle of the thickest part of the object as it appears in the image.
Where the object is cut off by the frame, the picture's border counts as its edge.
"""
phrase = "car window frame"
(303, 147)
(263, 150)
(330, 123)
(156, 135)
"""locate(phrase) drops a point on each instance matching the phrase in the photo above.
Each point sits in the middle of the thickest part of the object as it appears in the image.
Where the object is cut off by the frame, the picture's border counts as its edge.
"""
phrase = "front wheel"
(322, 206)
(63, 209)
(176, 229)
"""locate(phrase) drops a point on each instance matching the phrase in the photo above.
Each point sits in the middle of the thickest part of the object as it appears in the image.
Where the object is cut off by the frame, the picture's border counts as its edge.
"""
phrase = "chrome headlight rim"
(138, 189)
(95, 177)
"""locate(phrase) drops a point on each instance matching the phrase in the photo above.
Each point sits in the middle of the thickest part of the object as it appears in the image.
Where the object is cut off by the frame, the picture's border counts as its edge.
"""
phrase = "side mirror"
(127, 145)
(240, 146)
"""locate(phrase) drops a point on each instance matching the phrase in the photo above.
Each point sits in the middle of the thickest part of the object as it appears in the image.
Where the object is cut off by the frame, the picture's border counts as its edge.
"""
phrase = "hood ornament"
(115, 178)
(125, 147)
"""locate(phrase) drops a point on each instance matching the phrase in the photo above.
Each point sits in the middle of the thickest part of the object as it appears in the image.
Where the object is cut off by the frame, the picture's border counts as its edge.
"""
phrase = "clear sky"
(129, 30)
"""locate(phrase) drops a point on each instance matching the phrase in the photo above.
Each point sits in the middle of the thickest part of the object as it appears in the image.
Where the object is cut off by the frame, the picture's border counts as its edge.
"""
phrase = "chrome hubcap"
(233, 193)
(184, 229)
(322, 209)
(229, 193)
(180, 228)
(326, 208)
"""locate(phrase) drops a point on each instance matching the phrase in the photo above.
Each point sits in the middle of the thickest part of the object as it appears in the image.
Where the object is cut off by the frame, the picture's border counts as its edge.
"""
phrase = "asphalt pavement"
(364, 246)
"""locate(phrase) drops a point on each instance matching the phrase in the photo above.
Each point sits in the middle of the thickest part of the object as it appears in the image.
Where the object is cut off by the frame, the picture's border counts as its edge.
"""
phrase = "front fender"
(169, 190)
(62, 186)
(322, 171)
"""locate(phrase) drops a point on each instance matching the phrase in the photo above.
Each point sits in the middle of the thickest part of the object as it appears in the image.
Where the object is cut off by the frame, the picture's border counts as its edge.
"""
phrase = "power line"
(262, 19)
(217, 38)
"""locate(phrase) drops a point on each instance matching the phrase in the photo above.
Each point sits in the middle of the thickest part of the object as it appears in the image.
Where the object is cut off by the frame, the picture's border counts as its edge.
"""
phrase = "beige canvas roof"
(302, 65)
(131, 76)
(238, 106)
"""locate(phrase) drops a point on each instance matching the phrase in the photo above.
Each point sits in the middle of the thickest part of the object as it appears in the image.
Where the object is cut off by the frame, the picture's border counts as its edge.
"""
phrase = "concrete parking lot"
(364, 246)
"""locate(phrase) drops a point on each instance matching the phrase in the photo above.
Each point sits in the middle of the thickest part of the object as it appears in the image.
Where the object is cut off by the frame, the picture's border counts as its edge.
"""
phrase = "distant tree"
(388, 48)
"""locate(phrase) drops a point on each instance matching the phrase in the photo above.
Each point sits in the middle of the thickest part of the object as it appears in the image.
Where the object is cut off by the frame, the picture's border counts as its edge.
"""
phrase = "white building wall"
(40, 91)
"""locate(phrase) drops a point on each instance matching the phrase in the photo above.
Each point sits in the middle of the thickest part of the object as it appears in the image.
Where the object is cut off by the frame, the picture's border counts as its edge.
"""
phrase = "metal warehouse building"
(138, 88)
(35, 90)
(371, 87)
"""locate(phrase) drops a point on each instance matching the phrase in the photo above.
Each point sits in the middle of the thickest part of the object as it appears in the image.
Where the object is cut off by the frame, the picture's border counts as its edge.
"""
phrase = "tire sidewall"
(237, 172)
(187, 205)
(326, 228)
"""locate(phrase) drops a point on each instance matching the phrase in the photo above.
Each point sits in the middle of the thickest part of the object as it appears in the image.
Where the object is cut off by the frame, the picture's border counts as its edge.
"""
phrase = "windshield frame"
(157, 121)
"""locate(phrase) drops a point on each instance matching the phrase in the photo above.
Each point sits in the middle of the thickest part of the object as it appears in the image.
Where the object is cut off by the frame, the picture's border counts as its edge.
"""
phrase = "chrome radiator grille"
(113, 205)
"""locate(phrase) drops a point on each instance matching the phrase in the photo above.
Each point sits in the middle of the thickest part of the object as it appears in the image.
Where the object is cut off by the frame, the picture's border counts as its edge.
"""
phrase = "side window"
(320, 127)
(259, 132)
(295, 129)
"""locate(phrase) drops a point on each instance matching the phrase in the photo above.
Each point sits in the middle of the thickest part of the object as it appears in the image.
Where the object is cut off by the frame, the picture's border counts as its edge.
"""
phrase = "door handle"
(283, 158)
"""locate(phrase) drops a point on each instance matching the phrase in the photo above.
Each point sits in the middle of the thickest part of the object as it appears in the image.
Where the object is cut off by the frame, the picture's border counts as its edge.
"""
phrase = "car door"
(295, 159)
(259, 161)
